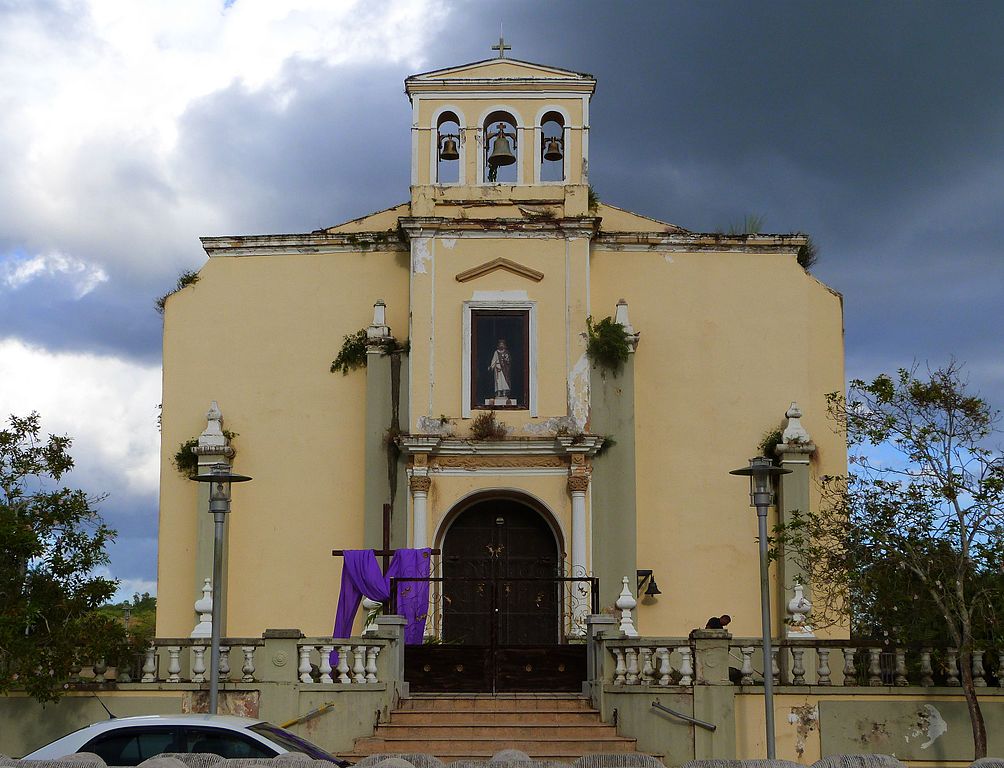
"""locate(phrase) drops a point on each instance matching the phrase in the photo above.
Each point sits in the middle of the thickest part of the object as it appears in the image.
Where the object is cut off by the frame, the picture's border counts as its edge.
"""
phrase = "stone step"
(487, 703)
(464, 746)
(494, 717)
(524, 731)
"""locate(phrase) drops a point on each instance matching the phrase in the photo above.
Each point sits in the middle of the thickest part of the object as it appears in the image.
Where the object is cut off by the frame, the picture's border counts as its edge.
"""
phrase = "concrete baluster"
(632, 666)
(952, 662)
(926, 672)
(325, 665)
(198, 663)
(149, 665)
(874, 667)
(662, 654)
(978, 670)
(850, 673)
(686, 665)
(823, 668)
(901, 678)
(746, 672)
(224, 671)
(304, 668)
(775, 669)
(247, 668)
(620, 670)
(647, 670)
(343, 663)
(797, 666)
(359, 667)
(174, 663)
(371, 663)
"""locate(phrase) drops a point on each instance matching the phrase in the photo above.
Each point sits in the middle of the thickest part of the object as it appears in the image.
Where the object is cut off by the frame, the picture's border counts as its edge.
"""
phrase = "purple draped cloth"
(361, 578)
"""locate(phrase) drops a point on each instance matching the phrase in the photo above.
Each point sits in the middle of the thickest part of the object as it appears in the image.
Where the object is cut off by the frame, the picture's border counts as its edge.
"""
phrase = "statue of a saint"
(500, 366)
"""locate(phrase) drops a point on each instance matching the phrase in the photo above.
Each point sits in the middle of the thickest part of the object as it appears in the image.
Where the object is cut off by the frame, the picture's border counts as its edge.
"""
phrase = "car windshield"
(294, 743)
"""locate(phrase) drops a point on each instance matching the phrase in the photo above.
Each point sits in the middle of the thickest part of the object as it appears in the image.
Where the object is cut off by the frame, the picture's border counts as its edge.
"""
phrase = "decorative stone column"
(614, 523)
(384, 374)
(420, 485)
(213, 447)
(795, 454)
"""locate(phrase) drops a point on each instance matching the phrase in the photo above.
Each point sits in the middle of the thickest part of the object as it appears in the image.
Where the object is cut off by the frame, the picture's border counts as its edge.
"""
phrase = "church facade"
(554, 388)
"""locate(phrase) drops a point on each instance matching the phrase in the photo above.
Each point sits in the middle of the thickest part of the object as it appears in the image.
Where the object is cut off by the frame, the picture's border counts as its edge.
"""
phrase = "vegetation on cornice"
(769, 442)
(352, 355)
(607, 343)
(186, 461)
(486, 426)
(753, 224)
(186, 278)
(594, 199)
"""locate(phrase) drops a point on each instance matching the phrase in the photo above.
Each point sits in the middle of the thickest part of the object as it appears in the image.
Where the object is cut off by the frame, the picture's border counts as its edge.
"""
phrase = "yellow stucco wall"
(258, 334)
(728, 340)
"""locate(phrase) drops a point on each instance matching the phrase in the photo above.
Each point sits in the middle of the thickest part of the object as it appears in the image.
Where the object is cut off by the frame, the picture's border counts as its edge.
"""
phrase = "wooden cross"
(386, 552)
(501, 47)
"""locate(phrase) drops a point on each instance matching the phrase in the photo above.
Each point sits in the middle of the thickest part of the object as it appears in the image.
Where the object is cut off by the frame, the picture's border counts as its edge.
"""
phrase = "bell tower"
(499, 130)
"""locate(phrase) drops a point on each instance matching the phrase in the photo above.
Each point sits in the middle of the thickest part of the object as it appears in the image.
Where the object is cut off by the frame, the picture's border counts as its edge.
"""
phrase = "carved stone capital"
(420, 484)
(578, 483)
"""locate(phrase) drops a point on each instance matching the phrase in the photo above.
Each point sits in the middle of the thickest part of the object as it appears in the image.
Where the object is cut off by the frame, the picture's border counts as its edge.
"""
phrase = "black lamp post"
(761, 471)
(219, 507)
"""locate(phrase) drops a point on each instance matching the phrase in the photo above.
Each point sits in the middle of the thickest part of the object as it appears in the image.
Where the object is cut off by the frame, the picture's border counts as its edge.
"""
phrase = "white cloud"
(107, 405)
(85, 277)
(93, 93)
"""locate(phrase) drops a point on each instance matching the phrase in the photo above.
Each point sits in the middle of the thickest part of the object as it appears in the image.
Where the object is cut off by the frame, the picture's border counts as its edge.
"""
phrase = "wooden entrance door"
(502, 608)
(489, 556)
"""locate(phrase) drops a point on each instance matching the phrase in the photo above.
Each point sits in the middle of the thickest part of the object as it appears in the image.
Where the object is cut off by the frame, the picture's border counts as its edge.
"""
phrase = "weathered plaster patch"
(420, 256)
(929, 723)
(668, 258)
(499, 296)
(434, 425)
(805, 719)
(578, 392)
(552, 426)
(449, 242)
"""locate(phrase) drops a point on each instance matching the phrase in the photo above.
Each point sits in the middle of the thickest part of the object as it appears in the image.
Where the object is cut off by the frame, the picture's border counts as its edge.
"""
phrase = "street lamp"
(219, 507)
(760, 471)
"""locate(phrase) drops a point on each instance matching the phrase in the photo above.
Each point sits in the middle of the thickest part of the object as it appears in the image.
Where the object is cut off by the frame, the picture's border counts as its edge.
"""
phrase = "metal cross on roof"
(501, 47)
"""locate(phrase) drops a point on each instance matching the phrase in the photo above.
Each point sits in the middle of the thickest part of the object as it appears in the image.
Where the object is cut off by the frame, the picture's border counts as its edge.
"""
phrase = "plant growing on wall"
(186, 278)
(185, 460)
(487, 427)
(352, 355)
(607, 343)
(769, 442)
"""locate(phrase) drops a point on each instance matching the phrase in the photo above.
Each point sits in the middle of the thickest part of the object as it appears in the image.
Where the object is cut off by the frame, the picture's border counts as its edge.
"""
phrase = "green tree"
(911, 542)
(52, 540)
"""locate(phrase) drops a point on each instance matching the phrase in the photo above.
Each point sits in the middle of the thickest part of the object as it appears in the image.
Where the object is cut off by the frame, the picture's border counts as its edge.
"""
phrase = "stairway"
(546, 726)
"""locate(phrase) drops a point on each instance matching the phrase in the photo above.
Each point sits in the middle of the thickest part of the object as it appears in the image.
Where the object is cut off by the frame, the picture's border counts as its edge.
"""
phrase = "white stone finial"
(212, 436)
(378, 329)
(204, 607)
(794, 432)
(626, 603)
(799, 608)
(621, 317)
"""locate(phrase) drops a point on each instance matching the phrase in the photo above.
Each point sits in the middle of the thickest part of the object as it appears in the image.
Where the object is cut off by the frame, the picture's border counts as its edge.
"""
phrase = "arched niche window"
(552, 147)
(448, 149)
(500, 151)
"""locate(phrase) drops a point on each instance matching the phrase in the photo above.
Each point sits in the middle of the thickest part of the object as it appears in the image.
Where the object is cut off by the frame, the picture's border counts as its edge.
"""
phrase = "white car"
(131, 740)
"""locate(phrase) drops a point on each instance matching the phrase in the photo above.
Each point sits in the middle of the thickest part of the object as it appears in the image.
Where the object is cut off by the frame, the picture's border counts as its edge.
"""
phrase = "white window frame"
(514, 301)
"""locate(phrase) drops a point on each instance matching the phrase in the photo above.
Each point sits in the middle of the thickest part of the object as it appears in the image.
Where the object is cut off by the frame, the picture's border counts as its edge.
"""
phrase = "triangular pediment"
(496, 264)
(500, 69)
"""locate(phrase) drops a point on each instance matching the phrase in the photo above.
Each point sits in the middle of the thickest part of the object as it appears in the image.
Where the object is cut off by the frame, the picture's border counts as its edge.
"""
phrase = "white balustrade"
(149, 665)
(174, 664)
(650, 665)
(248, 667)
(978, 670)
(356, 664)
(823, 666)
(198, 663)
(952, 662)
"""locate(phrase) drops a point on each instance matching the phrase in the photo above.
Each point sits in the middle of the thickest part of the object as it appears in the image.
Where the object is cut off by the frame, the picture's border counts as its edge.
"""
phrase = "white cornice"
(434, 445)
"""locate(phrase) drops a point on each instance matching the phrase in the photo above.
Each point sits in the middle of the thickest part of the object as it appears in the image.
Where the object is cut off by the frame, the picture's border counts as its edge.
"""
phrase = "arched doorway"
(503, 611)
(504, 545)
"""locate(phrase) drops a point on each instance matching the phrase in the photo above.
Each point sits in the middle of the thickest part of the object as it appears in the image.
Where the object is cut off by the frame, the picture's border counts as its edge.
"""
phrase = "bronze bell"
(501, 153)
(449, 149)
(552, 148)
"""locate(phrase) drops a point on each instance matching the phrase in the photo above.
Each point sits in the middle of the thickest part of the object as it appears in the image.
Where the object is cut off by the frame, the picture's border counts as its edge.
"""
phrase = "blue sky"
(130, 129)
